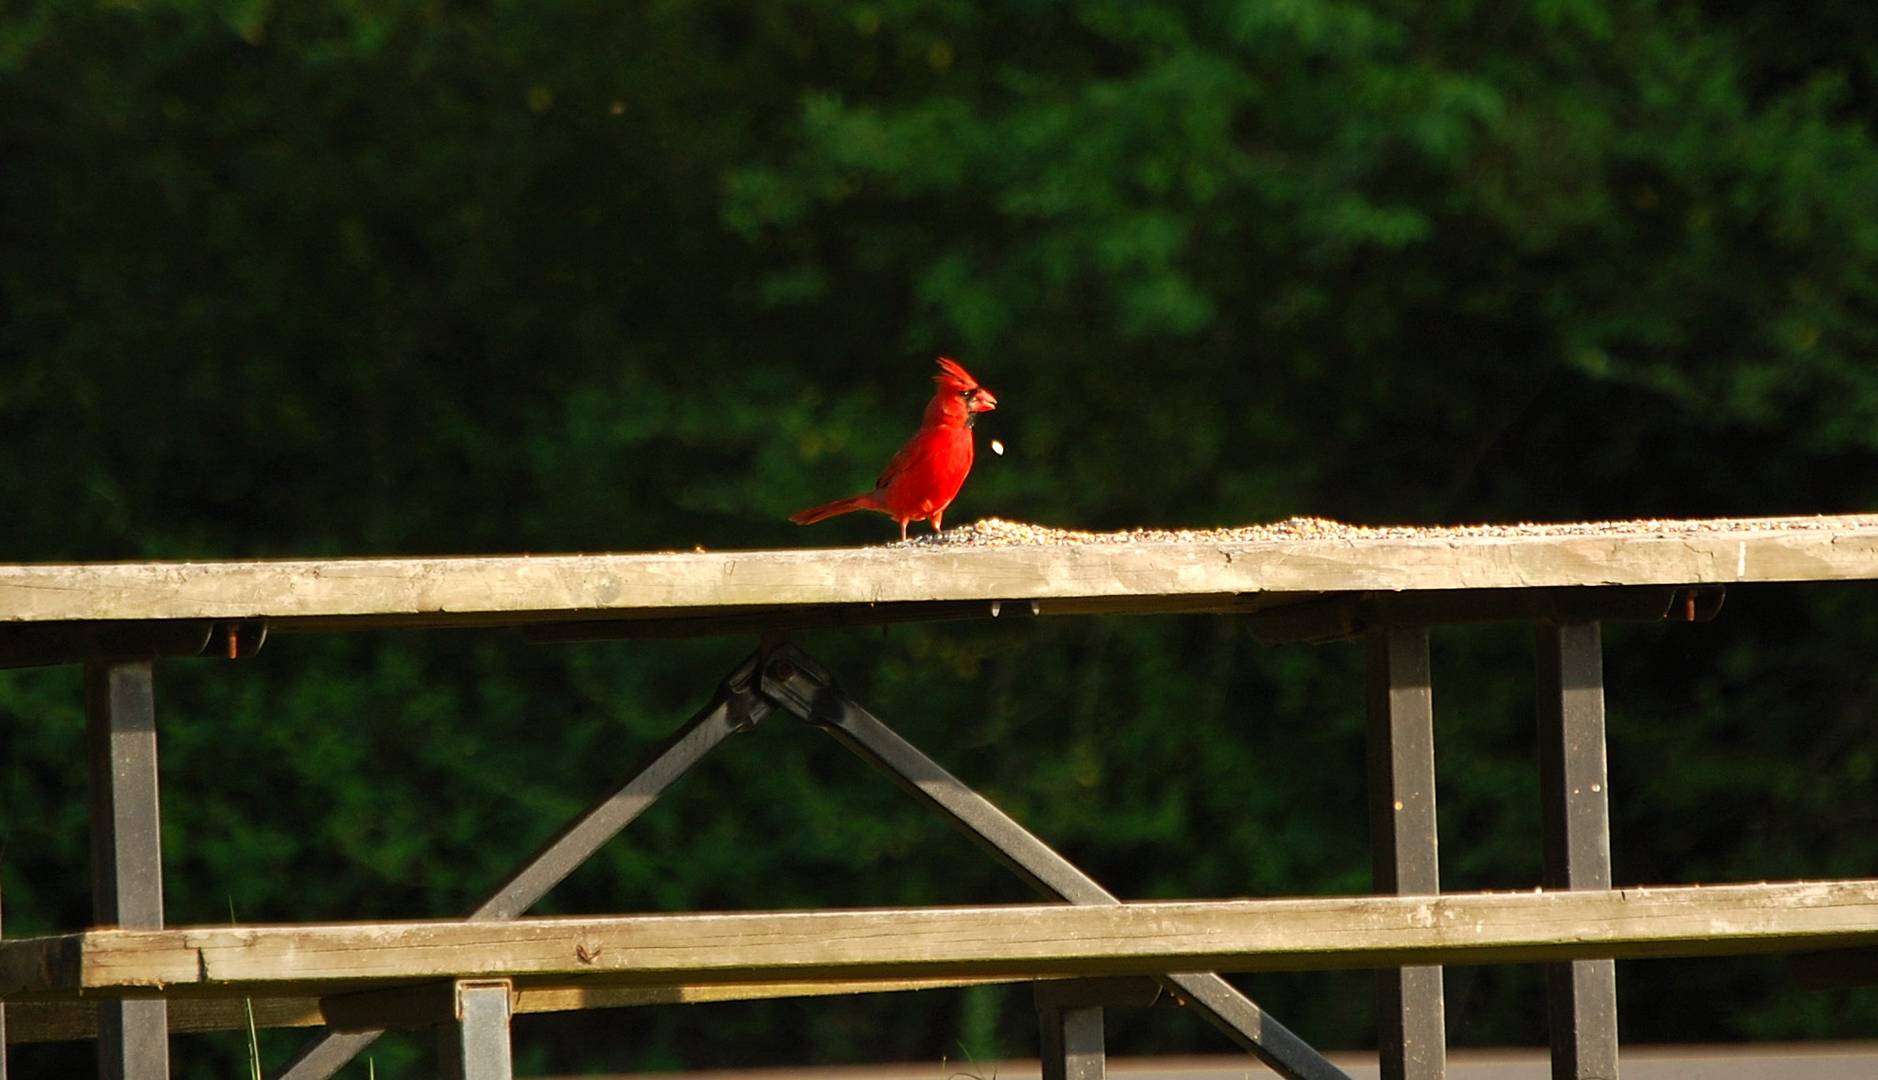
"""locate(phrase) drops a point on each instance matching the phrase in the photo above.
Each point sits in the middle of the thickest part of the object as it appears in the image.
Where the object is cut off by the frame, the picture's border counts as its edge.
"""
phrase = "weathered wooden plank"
(63, 1021)
(526, 589)
(1015, 941)
(430, 1003)
(39, 962)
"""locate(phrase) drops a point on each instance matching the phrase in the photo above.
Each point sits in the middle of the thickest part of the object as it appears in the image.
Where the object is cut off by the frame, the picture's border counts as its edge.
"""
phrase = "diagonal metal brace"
(799, 685)
(735, 707)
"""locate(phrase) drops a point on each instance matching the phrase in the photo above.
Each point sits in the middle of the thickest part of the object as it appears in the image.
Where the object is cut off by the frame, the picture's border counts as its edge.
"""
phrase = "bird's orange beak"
(982, 400)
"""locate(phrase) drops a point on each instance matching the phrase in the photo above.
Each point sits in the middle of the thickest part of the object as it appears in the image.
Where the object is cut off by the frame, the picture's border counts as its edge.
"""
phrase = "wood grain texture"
(66, 1021)
(1008, 941)
(518, 590)
(63, 1021)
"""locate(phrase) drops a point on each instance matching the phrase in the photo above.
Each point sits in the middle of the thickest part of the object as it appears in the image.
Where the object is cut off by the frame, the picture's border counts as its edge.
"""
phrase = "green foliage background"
(418, 276)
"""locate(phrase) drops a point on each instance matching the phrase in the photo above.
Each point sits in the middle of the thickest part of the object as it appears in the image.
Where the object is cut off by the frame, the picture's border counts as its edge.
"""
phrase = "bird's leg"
(935, 520)
(903, 522)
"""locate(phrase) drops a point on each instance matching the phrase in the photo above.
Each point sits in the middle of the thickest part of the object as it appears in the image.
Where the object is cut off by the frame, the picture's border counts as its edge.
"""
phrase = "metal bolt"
(781, 670)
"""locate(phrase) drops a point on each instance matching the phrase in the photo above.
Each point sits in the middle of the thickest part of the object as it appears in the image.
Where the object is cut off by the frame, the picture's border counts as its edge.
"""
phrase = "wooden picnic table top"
(1037, 570)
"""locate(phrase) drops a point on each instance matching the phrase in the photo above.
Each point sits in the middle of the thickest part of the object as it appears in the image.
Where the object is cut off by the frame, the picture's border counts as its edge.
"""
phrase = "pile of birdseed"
(996, 532)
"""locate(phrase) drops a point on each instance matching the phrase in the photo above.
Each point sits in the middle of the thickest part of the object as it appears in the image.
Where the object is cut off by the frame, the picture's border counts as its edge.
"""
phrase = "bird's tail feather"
(832, 509)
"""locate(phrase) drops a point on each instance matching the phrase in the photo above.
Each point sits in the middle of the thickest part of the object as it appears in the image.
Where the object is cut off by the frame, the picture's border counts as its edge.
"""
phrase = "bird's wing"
(926, 473)
(917, 449)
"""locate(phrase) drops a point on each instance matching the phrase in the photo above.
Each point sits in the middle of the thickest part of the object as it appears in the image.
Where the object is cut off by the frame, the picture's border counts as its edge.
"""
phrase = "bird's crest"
(953, 376)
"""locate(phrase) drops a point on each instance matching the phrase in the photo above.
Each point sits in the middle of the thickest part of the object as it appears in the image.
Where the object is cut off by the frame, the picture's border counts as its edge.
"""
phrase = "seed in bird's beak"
(997, 447)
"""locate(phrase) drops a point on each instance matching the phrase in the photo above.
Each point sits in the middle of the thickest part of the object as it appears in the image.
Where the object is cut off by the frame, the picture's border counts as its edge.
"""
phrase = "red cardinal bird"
(922, 479)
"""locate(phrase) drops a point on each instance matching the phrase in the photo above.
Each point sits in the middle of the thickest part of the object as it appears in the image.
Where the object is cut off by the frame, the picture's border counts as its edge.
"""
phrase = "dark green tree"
(427, 277)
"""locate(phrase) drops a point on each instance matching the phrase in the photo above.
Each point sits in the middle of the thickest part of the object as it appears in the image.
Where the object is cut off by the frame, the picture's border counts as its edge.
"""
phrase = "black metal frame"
(474, 1032)
(785, 678)
(795, 683)
(735, 707)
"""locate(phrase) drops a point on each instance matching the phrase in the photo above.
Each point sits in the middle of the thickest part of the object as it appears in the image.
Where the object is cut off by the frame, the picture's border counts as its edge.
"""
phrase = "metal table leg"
(1071, 1044)
(476, 1046)
(1582, 995)
(126, 852)
(1413, 1042)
